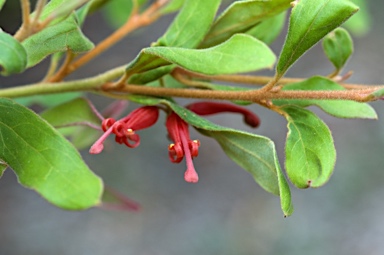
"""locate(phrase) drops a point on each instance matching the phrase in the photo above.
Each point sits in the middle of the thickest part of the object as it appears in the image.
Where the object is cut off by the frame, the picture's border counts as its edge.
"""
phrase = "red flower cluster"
(124, 129)
(178, 130)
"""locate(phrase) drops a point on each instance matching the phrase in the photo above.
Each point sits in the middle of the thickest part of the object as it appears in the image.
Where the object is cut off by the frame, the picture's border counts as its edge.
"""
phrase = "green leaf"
(337, 108)
(240, 17)
(309, 22)
(378, 94)
(269, 29)
(2, 2)
(191, 24)
(60, 37)
(44, 160)
(13, 57)
(48, 100)
(241, 53)
(151, 75)
(60, 10)
(76, 112)
(360, 24)
(172, 6)
(338, 47)
(310, 153)
(117, 12)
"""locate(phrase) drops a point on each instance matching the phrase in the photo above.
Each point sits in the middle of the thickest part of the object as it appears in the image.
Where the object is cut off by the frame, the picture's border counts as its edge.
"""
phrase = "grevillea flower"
(207, 108)
(125, 128)
(182, 145)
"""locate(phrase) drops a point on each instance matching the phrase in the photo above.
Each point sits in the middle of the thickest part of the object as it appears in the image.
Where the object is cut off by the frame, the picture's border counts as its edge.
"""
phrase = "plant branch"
(23, 31)
(101, 84)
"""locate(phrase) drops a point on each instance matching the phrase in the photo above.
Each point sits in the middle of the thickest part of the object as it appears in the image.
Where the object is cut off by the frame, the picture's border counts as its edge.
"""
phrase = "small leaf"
(269, 29)
(44, 160)
(240, 17)
(59, 10)
(309, 22)
(74, 111)
(172, 6)
(378, 94)
(151, 75)
(60, 37)
(338, 46)
(241, 53)
(2, 2)
(13, 57)
(183, 31)
(78, 113)
(310, 153)
(117, 12)
(360, 24)
(337, 108)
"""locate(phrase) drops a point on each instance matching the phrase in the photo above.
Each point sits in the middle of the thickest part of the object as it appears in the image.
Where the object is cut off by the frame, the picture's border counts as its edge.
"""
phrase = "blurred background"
(226, 213)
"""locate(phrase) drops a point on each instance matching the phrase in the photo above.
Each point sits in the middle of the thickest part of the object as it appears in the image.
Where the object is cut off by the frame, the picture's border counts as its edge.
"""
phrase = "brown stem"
(23, 31)
(38, 11)
(251, 95)
(62, 71)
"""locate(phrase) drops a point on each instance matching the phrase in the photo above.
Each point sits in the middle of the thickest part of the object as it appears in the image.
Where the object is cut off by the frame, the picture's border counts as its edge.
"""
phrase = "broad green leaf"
(191, 24)
(241, 53)
(240, 17)
(47, 100)
(269, 29)
(309, 150)
(75, 111)
(44, 160)
(13, 57)
(172, 6)
(309, 22)
(78, 113)
(338, 47)
(337, 108)
(2, 2)
(117, 12)
(256, 154)
(360, 24)
(60, 37)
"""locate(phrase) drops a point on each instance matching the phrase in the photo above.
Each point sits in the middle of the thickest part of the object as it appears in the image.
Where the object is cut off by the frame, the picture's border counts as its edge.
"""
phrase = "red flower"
(125, 128)
(207, 108)
(182, 146)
